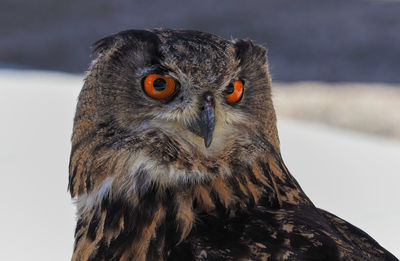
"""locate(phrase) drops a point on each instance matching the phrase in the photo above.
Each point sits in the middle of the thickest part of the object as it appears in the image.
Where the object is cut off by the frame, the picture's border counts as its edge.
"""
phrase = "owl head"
(180, 103)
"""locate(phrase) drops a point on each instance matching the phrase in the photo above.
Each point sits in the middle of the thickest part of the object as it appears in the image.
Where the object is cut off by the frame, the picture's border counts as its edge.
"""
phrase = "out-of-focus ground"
(307, 40)
(371, 108)
(350, 174)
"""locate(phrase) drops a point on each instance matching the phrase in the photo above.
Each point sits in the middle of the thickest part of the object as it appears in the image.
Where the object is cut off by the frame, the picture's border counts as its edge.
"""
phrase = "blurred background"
(331, 40)
(336, 71)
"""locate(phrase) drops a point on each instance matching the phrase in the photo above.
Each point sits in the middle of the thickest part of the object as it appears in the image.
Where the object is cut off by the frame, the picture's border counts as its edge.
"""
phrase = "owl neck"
(119, 229)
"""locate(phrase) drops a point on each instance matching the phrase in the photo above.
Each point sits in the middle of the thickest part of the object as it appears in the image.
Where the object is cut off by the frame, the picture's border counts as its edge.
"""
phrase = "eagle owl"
(175, 156)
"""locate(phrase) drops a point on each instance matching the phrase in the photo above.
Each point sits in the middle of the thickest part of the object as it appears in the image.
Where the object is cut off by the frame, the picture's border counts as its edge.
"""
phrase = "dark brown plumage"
(192, 176)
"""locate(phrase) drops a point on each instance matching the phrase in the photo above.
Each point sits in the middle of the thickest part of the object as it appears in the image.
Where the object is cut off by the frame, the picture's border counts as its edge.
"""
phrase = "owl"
(175, 156)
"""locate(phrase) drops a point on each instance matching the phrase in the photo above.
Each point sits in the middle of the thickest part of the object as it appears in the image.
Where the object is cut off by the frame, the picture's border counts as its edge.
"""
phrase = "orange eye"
(159, 86)
(234, 91)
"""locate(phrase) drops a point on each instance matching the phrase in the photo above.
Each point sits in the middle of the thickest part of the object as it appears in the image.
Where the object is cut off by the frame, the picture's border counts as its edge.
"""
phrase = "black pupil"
(159, 84)
(230, 88)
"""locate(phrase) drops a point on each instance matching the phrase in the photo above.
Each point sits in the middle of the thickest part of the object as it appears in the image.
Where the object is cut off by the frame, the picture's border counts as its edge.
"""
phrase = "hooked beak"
(204, 124)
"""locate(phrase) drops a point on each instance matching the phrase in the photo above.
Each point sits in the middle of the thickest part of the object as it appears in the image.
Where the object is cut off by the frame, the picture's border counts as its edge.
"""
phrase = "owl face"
(195, 87)
(179, 105)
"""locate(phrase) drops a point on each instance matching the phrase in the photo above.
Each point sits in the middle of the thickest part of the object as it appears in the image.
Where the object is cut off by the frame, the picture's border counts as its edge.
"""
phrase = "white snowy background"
(353, 175)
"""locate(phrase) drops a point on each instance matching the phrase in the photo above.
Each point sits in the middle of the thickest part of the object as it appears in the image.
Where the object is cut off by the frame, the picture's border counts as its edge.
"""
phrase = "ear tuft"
(106, 43)
(248, 52)
(102, 45)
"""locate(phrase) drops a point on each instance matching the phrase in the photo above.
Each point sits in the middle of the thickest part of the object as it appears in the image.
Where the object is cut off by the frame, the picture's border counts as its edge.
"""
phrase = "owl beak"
(204, 124)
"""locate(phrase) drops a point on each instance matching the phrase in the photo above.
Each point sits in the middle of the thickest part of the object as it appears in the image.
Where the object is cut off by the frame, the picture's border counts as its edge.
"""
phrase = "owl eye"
(159, 86)
(234, 91)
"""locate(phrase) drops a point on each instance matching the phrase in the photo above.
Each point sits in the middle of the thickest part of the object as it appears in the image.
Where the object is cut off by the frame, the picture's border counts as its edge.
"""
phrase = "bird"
(175, 156)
